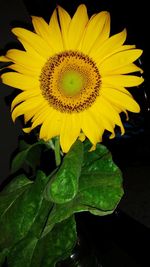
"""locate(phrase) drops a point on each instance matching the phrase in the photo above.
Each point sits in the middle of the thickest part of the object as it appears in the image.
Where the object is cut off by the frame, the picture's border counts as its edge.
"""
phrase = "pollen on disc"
(70, 81)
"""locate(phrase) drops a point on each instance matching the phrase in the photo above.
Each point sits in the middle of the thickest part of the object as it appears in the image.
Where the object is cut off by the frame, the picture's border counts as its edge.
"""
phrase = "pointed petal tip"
(140, 52)
(93, 147)
(112, 135)
(82, 5)
(82, 8)
(3, 77)
(142, 80)
(58, 8)
(33, 18)
(13, 117)
(12, 107)
(107, 14)
(15, 30)
(27, 130)
(141, 71)
(4, 59)
(137, 108)
(125, 31)
(36, 17)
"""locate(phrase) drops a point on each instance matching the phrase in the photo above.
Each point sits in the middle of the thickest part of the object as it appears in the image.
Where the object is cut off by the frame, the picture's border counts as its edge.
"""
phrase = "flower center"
(70, 81)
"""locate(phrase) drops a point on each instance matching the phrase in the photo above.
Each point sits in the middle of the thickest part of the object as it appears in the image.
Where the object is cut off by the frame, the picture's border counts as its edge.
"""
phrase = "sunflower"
(73, 76)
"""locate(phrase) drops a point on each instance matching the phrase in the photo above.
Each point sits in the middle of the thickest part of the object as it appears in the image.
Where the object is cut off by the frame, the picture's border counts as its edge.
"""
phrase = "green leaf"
(23, 145)
(100, 188)
(12, 191)
(57, 245)
(21, 213)
(33, 251)
(34, 156)
(64, 185)
(19, 160)
(30, 156)
(21, 253)
(16, 183)
(38, 232)
(98, 160)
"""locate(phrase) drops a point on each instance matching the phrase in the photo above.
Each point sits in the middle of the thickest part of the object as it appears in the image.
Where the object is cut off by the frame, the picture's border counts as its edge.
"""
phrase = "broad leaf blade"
(33, 251)
(57, 245)
(20, 216)
(30, 156)
(12, 191)
(22, 252)
(64, 185)
(100, 188)
(18, 161)
(16, 183)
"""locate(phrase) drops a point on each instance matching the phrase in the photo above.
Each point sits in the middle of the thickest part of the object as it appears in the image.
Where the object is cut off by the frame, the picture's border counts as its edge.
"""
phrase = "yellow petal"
(65, 20)
(4, 59)
(104, 34)
(90, 127)
(123, 70)
(25, 70)
(82, 137)
(122, 80)
(44, 109)
(25, 95)
(104, 122)
(42, 29)
(120, 109)
(93, 147)
(35, 41)
(27, 130)
(31, 51)
(70, 130)
(109, 45)
(27, 106)
(108, 125)
(40, 117)
(120, 99)
(24, 59)
(55, 33)
(77, 27)
(50, 33)
(118, 88)
(19, 81)
(119, 60)
(29, 114)
(93, 30)
(98, 59)
(51, 126)
(105, 109)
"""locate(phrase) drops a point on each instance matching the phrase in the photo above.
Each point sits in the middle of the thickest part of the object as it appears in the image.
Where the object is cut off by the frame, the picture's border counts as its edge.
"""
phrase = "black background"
(130, 152)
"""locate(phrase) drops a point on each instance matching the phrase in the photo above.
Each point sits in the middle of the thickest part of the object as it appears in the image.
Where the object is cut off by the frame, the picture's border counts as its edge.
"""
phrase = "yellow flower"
(73, 76)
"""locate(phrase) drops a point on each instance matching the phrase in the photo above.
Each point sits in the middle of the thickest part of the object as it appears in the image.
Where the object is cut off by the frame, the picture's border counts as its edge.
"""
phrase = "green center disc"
(72, 82)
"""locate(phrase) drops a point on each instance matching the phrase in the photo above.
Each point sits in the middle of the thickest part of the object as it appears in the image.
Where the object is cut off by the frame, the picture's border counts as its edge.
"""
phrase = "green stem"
(57, 151)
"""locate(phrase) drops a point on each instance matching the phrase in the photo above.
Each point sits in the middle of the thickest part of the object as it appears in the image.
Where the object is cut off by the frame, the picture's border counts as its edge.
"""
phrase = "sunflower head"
(73, 76)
